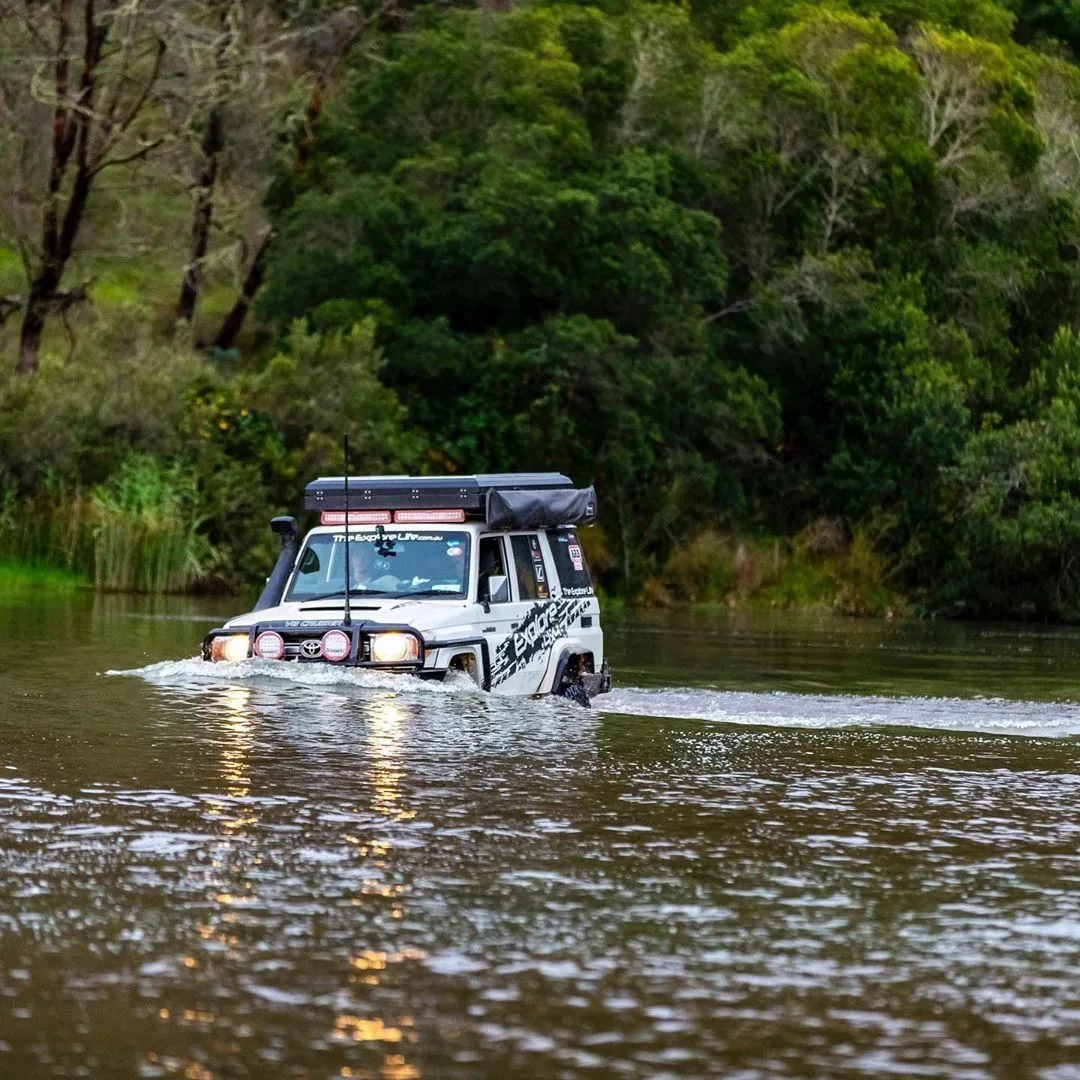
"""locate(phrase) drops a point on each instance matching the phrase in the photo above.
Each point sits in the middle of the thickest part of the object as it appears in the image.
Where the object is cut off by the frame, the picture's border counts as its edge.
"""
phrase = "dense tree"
(113, 95)
(748, 266)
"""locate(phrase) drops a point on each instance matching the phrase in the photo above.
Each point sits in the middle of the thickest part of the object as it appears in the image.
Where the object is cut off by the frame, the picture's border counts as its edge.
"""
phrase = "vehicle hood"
(422, 615)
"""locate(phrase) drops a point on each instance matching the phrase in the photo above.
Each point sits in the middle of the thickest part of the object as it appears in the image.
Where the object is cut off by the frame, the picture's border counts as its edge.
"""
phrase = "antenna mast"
(348, 608)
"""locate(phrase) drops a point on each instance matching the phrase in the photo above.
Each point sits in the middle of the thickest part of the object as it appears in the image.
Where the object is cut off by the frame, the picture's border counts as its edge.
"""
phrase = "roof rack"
(502, 500)
(468, 493)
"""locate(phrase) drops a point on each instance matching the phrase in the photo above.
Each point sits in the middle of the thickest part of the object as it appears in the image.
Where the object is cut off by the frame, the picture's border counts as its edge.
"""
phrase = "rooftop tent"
(512, 509)
(502, 500)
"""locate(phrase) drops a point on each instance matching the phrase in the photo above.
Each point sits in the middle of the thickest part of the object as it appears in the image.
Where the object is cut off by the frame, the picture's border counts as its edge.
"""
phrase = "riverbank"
(820, 571)
(824, 569)
(21, 578)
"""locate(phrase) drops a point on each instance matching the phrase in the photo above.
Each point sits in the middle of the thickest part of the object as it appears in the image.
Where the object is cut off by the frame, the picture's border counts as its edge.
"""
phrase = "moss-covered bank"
(20, 578)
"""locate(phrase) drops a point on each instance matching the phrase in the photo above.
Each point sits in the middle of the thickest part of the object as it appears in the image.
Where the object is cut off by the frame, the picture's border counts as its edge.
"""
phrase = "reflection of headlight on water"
(230, 647)
(394, 648)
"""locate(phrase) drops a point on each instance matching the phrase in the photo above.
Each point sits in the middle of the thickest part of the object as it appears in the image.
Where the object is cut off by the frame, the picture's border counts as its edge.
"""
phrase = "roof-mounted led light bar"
(442, 517)
(402, 517)
(357, 517)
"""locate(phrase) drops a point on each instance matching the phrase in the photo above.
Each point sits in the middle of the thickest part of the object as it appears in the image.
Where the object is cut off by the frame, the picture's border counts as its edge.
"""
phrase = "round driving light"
(270, 646)
(393, 647)
(230, 647)
(336, 646)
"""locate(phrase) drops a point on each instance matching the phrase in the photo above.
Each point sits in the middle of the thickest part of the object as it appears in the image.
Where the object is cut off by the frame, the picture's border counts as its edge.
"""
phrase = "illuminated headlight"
(394, 648)
(270, 646)
(230, 647)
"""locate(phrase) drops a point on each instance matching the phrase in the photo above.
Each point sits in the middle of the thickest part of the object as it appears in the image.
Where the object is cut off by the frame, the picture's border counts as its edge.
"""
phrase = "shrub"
(146, 531)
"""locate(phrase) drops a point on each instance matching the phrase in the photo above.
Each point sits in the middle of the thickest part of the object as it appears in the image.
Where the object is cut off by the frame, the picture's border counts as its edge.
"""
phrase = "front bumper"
(303, 643)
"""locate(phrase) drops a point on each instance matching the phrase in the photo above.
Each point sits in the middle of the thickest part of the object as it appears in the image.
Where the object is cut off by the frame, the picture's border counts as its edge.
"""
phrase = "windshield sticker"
(576, 558)
(388, 538)
(455, 552)
(538, 632)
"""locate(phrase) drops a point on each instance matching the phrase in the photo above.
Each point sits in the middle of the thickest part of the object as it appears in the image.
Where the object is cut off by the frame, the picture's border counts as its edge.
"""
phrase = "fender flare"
(474, 653)
(562, 652)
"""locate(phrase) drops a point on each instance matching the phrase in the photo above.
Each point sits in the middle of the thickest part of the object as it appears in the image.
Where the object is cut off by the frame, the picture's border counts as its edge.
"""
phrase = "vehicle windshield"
(383, 563)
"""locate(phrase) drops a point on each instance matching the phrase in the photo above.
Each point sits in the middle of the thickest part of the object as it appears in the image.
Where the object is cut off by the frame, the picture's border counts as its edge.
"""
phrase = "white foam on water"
(996, 716)
(197, 672)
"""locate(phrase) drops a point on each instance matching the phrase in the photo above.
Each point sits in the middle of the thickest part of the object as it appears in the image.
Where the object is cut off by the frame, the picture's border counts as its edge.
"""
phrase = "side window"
(570, 562)
(529, 566)
(493, 569)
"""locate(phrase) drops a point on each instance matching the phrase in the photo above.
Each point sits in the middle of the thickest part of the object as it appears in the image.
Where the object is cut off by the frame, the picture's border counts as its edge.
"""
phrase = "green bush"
(146, 529)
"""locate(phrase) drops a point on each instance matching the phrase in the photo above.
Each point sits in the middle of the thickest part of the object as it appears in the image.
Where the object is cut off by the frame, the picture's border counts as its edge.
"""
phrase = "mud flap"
(598, 683)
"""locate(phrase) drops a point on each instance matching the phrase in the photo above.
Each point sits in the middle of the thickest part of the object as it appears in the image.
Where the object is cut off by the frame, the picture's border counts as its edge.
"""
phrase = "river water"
(781, 848)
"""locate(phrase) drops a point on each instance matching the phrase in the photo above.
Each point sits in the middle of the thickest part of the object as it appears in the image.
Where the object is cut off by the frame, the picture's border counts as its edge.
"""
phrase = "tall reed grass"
(51, 528)
(146, 529)
(139, 532)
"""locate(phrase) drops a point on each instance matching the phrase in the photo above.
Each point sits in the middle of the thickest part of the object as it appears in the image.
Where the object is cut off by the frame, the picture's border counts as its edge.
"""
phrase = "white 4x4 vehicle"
(428, 575)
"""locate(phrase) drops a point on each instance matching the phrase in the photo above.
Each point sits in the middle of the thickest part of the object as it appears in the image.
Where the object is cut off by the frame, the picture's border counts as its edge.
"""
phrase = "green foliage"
(747, 266)
(1014, 506)
(49, 528)
(18, 580)
(146, 529)
(184, 462)
(821, 568)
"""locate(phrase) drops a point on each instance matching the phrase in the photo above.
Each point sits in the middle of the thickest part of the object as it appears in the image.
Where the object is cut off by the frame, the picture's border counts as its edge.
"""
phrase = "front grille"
(293, 641)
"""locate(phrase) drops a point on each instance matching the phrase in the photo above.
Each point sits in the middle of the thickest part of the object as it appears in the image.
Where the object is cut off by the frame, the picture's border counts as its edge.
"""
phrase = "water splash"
(996, 716)
(196, 672)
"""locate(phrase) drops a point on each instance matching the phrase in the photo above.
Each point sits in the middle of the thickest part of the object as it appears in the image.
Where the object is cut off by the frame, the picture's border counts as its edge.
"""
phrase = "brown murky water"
(784, 848)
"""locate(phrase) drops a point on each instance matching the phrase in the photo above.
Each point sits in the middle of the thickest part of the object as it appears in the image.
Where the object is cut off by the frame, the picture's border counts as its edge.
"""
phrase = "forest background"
(796, 285)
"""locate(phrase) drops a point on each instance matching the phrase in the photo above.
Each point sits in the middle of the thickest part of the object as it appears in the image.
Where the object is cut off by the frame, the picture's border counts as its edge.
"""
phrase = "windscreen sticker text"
(375, 538)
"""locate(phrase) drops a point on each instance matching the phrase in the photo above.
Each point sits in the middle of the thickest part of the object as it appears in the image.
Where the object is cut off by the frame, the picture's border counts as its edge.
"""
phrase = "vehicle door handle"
(489, 629)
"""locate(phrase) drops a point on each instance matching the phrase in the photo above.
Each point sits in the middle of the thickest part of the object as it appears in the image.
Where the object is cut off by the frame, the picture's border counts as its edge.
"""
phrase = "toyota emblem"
(311, 647)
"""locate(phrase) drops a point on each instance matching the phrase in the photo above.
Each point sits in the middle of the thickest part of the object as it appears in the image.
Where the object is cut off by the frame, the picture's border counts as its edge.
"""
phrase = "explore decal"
(539, 630)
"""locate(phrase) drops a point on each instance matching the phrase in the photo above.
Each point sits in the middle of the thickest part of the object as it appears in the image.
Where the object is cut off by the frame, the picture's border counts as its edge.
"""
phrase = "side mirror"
(494, 589)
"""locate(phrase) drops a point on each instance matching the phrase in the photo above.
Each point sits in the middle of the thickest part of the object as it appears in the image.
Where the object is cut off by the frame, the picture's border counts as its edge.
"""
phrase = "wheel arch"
(562, 653)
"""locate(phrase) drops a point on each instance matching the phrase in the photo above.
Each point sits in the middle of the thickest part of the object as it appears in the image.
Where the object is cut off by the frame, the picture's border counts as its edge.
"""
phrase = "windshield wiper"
(340, 594)
(445, 594)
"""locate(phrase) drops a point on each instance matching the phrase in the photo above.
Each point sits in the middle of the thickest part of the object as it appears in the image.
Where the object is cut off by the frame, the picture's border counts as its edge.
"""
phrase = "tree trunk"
(234, 321)
(33, 325)
(71, 135)
(204, 216)
(213, 142)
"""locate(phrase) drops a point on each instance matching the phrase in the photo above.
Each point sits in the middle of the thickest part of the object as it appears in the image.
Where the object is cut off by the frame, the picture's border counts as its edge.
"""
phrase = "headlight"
(230, 647)
(394, 647)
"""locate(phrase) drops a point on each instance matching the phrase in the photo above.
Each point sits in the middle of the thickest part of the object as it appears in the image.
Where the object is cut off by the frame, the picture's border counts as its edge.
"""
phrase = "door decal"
(539, 630)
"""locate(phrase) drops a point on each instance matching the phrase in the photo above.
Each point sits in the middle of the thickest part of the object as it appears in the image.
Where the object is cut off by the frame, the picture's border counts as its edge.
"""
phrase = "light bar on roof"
(357, 517)
(417, 517)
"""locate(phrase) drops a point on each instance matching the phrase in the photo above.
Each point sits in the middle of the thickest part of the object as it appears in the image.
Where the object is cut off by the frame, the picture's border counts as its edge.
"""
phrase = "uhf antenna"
(348, 610)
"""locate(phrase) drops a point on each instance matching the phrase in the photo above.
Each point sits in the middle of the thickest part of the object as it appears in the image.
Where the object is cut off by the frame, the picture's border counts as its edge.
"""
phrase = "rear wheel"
(574, 691)
(571, 684)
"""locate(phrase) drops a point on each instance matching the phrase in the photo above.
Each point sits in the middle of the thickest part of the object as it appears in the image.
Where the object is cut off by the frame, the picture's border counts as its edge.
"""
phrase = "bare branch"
(126, 159)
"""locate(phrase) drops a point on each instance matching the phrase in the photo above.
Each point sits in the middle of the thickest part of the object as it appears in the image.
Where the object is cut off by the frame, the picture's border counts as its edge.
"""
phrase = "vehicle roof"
(421, 527)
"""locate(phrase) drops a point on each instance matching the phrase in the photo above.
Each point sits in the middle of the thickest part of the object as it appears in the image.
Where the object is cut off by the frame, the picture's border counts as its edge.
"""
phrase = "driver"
(368, 570)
